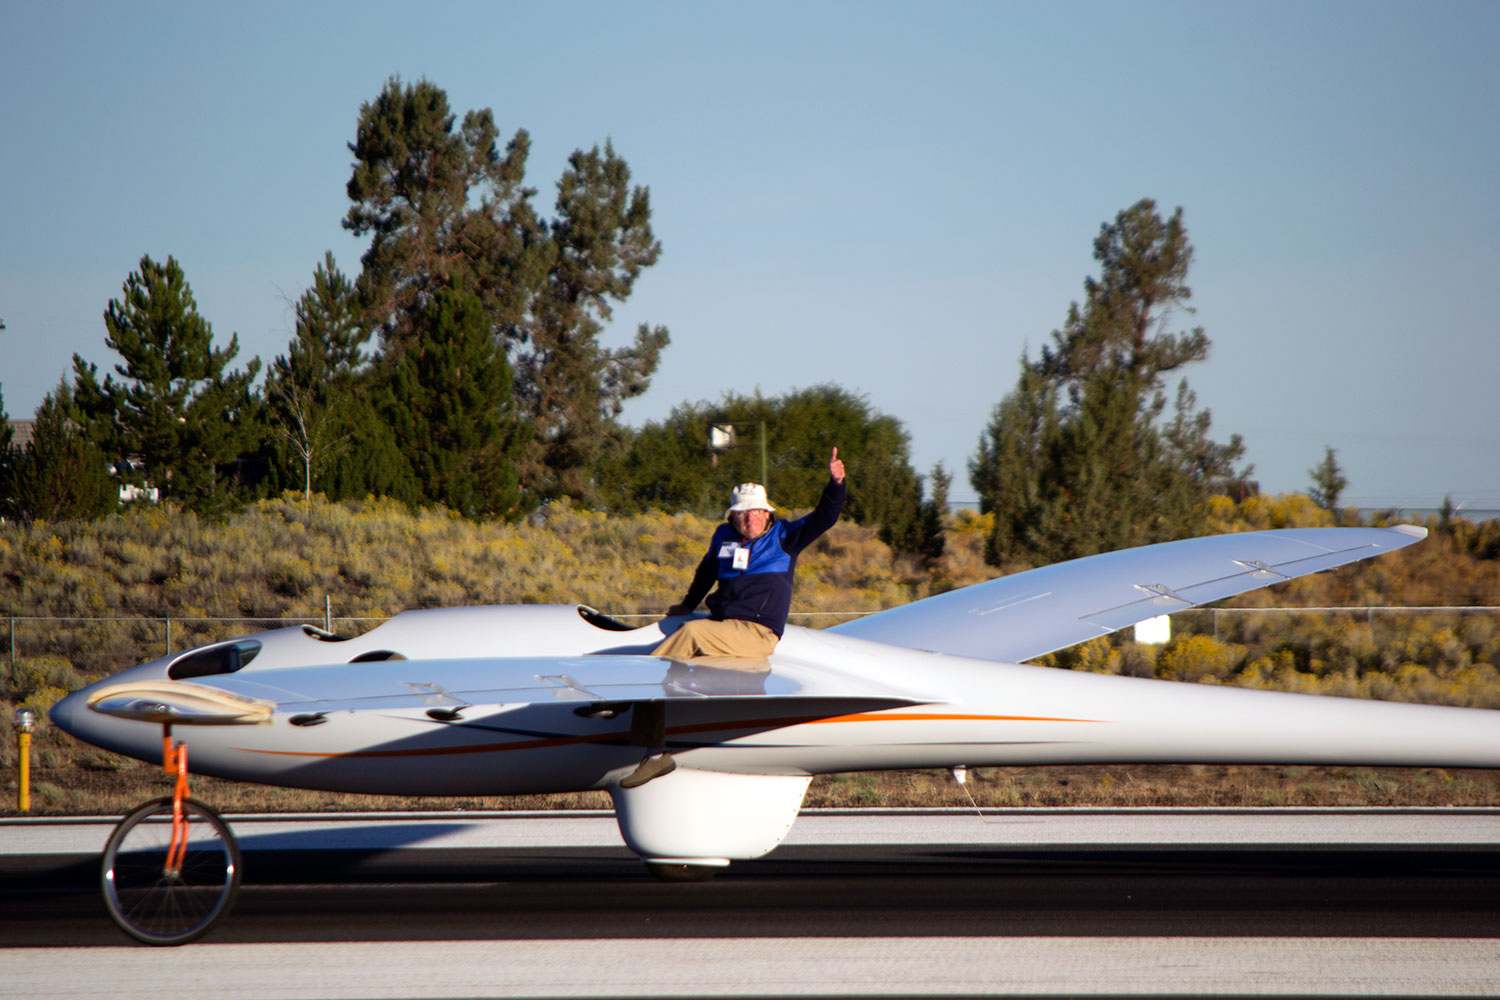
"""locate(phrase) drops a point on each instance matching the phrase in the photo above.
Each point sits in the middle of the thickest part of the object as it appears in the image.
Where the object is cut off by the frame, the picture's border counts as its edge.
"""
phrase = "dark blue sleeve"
(804, 531)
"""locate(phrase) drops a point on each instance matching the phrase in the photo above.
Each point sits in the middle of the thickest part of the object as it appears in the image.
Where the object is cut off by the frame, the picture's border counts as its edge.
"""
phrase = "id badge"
(741, 557)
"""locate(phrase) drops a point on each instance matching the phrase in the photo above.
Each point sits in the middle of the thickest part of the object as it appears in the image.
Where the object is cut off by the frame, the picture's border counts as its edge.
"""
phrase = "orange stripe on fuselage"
(943, 717)
(760, 724)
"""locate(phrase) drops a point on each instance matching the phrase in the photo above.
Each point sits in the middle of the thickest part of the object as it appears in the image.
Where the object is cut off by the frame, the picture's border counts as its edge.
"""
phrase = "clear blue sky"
(898, 198)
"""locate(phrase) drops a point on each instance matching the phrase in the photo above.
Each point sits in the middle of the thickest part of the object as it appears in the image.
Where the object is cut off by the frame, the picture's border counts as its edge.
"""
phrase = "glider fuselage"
(508, 700)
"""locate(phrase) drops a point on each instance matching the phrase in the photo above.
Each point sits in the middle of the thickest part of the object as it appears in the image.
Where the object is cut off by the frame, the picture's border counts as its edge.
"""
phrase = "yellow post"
(23, 790)
(24, 722)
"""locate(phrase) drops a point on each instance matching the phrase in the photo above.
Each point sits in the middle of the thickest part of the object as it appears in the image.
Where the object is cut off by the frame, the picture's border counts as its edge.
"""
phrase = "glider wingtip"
(1413, 530)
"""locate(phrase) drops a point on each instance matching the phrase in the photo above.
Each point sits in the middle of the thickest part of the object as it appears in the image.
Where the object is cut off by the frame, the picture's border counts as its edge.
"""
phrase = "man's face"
(750, 523)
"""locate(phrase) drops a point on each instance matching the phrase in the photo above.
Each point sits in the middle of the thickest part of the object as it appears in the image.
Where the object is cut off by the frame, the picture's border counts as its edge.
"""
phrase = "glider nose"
(70, 713)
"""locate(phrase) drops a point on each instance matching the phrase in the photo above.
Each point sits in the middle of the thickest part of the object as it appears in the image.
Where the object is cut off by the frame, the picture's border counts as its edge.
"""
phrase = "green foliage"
(444, 207)
(569, 386)
(1481, 540)
(1328, 482)
(60, 475)
(669, 465)
(176, 410)
(924, 535)
(452, 394)
(1078, 459)
(440, 206)
(321, 402)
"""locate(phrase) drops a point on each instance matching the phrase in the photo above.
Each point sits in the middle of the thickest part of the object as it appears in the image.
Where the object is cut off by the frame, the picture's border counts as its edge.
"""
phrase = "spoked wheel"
(156, 901)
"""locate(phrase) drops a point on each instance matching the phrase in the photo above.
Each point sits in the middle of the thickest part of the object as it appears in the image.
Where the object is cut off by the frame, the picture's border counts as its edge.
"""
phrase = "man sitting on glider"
(752, 557)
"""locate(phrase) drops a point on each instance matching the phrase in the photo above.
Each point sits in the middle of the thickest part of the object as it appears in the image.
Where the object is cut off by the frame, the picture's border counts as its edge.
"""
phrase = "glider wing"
(1029, 614)
(604, 685)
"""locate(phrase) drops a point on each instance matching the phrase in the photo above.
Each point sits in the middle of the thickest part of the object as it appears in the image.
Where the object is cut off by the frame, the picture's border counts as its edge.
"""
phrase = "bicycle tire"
(158, 907)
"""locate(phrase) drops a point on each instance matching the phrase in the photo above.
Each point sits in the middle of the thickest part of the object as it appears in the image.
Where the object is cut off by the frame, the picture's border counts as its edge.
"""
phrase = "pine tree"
(1077, 459)
(61, 475)
(927, 539)
(452, 401)
(176, 410)
(323, 401)
(1011, 466)
(1328, 482)
(569, 386)
(440, 206)
(444, 207)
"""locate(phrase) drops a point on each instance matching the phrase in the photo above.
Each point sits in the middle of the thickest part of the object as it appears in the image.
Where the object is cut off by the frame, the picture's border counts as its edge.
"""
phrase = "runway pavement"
(1043, 902)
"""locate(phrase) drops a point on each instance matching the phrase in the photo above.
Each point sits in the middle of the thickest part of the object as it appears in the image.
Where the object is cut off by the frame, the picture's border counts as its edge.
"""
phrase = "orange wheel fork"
(174, 761)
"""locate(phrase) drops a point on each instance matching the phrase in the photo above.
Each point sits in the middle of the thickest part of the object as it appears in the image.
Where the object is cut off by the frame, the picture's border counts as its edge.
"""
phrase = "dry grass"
(95, 783)
(1162, 785)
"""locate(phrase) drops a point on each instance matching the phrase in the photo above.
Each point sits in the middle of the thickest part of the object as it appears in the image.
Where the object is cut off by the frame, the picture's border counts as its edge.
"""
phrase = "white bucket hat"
(748, 496)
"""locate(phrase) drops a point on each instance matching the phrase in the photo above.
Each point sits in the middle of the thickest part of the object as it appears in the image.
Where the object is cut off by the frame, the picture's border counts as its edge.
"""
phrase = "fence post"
(327, 613)
(169, 636)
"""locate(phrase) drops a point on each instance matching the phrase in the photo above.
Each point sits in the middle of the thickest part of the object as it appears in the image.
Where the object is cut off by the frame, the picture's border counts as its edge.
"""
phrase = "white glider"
(502, 700)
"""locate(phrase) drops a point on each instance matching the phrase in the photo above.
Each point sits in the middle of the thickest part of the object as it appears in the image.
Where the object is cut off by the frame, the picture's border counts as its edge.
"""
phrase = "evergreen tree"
(323, 401)
(1077, 459)
(301, 384)
(1328, 482)
(926, 539)
(440, 206)
(7, 458)
(372, 463)
(61, 475)
(1007, 473)
(452, 400)
(1445, 515)
(443, 206)
(176, 410)
(569, 386)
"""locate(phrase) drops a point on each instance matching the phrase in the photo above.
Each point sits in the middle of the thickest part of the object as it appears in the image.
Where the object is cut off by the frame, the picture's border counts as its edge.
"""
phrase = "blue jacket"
(762, 591)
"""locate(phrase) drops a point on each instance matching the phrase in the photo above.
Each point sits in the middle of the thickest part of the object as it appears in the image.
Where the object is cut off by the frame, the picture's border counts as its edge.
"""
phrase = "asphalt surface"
(845, 907)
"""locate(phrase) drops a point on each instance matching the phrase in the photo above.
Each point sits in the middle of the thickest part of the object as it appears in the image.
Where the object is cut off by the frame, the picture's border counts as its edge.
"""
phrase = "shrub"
(1199, 658)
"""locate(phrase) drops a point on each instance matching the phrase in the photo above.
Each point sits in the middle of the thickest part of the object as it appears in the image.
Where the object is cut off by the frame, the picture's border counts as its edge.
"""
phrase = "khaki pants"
(727, 643)
(730, 644)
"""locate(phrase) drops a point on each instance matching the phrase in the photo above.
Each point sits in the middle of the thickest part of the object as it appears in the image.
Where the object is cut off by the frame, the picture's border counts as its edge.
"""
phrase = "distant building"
(21, 431)
(130, 491)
